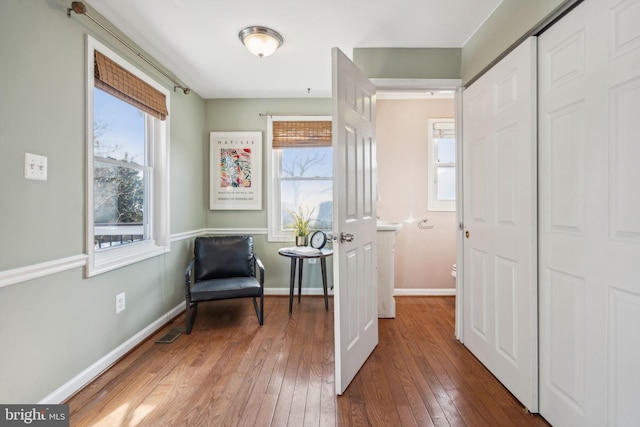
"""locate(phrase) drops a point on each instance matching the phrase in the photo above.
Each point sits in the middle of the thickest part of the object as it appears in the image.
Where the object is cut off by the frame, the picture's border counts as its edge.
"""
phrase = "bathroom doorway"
(409, 123)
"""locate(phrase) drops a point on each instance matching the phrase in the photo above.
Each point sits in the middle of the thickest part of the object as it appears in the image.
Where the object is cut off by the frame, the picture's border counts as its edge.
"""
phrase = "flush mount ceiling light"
(261, 41)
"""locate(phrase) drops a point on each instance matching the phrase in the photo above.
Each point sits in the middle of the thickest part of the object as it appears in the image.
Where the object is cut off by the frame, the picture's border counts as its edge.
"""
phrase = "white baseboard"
(89, 374)
(397, 292)
(305, 291)
(423, 292)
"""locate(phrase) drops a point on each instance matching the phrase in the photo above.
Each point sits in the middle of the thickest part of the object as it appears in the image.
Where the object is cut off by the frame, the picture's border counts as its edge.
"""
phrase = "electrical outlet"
(120, 303)
(312, 260)
(35, 167)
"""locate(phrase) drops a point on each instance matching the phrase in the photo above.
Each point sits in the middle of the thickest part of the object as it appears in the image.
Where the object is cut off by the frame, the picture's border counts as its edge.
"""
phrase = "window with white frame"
(301, 173)
(127, 169)
(442, 165)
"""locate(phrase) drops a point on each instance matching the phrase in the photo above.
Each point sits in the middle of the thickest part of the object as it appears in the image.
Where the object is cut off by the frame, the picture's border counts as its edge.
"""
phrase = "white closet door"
(589, 216)
(499, 186)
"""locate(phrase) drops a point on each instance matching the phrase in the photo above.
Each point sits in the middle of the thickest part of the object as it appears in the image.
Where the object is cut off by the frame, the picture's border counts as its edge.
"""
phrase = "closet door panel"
(589, 215)
(499, 197)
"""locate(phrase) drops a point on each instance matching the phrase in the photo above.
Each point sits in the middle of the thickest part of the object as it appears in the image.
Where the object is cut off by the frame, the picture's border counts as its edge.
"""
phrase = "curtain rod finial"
(78, 7)
(185, 90)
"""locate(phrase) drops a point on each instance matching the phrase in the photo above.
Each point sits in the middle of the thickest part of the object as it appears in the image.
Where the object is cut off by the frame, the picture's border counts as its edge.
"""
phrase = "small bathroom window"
(442, 165)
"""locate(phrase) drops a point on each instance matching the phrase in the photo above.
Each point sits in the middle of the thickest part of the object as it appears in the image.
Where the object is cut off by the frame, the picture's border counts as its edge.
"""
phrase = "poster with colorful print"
(235, 171)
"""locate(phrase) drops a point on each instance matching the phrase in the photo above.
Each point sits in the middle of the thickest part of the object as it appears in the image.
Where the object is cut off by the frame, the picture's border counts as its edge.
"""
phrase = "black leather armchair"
(223, 267)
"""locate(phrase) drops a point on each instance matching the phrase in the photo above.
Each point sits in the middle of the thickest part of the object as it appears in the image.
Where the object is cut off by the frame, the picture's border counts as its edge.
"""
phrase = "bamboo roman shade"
(122, 84)
(294, 134)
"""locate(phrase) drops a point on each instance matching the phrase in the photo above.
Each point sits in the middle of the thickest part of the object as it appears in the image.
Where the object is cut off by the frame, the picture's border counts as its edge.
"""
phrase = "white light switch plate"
(35, 167)
(120, 302)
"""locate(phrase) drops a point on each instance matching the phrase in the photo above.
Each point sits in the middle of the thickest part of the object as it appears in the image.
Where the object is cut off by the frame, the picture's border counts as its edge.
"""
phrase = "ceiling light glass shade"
(261, 41)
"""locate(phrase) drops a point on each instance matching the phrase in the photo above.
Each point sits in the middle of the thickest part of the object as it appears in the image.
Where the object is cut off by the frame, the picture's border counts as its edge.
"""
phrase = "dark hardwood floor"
(230, 372)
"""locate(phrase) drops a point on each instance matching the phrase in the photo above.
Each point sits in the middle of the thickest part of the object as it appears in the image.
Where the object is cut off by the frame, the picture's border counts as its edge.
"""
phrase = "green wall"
(244, 115)
(409, 63)
(55, 327)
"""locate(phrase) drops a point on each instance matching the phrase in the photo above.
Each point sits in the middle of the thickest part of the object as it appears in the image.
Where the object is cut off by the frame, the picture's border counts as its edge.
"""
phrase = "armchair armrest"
(258, 263)
(188, 272)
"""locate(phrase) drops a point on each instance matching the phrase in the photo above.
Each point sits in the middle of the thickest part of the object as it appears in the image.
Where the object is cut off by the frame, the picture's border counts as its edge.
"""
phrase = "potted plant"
(300, 224)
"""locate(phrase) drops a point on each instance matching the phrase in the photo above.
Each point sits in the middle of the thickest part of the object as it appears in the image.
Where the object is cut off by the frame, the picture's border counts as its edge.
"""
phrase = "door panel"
(507, 309)
(589, 110)
(355, 281)
(499, 194)
(478, 293)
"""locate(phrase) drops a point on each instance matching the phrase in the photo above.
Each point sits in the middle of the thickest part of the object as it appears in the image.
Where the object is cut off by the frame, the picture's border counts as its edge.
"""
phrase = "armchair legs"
(192, 310)
(259, 311)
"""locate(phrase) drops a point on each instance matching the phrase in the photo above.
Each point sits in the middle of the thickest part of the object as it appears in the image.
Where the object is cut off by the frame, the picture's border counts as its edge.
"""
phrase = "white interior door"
(354, 217)
(589, 127)
(499, 196)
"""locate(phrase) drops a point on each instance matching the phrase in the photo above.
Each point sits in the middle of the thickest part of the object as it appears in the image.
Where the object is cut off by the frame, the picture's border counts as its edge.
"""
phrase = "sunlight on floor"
(115, 418)
(140, 413)
(119, 416)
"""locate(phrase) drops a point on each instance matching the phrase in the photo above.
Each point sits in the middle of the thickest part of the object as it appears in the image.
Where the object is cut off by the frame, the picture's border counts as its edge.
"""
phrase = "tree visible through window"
(120, 171)
(307, 181)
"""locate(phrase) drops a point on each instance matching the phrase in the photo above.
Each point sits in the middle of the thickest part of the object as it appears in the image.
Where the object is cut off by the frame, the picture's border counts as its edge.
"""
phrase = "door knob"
(466, 234)
(346, 237)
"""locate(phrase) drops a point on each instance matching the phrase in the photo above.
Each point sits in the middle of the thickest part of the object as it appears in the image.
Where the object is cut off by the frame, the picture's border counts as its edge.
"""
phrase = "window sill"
(439, 206)
(112, 259)
(280, 238)
(452, 209)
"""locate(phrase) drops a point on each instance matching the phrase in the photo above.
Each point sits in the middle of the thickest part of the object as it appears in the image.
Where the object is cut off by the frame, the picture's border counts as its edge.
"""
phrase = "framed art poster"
(235, 171)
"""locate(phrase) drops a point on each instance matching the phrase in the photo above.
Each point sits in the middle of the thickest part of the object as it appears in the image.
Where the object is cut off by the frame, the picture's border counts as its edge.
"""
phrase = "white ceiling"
(198, 39)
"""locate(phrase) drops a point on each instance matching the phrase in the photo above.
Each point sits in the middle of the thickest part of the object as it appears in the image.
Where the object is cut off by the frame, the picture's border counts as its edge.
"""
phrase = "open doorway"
(412, 127)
